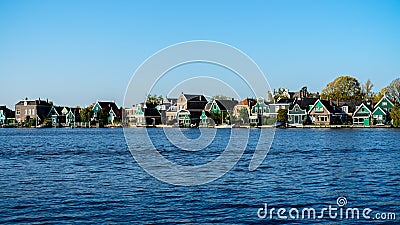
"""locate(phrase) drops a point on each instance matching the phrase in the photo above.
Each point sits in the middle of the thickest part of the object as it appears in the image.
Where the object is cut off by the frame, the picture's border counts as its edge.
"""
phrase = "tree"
(379, 95)
(282, 115)
(86, 114)
(243, 115)
(395, 115)
(221, 97)
(342, 88)
(154, 99)
(280, 93)
(270, 96)
(102, 116)
(367, 89)
(393, 90)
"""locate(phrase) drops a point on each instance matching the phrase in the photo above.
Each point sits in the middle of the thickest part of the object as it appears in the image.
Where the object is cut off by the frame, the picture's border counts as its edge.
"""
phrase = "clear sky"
(75, 52)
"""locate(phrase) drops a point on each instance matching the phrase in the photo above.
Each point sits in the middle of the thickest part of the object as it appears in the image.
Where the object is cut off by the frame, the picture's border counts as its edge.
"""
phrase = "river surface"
(89, 176)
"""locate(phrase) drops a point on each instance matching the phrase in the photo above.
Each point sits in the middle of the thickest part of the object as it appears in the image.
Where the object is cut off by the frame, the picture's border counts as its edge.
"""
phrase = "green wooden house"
(110, 107)
(203, 120)
(381, 113)
(183, 118)
(260, 108)
(362, 114)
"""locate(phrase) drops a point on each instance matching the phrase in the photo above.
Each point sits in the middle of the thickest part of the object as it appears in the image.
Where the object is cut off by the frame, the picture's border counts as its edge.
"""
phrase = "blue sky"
(75, 52)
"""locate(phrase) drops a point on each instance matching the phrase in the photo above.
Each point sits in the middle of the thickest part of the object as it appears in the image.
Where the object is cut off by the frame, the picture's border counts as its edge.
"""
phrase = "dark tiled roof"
(285, 101)
(111, 105)
(34, 102)
(304, 103)
(226, 104)
(196, 105)
(190, 97)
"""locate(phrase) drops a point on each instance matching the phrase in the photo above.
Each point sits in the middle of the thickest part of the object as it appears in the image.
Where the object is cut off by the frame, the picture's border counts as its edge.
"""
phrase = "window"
(384, 103)
(18, 112)
(26, 111)
(33, 111)
(29, 111)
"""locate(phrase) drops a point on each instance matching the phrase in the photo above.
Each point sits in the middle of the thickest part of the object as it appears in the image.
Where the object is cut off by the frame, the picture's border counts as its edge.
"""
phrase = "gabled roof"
(385, 97)
(110, 105)
(191, 97)
(327, 105)
(226, 104)
(304, 103)
(357, 113)
(379, 109)
(352, 105)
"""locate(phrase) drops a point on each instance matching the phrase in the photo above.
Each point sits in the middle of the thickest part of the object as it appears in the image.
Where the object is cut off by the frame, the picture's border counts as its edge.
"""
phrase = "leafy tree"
(367, 89)
(243, 115)
(379, 95)
(280, 93)
(102, 116)
(154, 99)
(86, 114)
(395, 115)
(282, 115)
(393, 90)
(342, 88)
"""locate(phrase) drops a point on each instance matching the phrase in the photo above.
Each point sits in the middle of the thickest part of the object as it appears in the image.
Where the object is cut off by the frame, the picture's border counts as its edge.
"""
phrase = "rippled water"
(89, 176)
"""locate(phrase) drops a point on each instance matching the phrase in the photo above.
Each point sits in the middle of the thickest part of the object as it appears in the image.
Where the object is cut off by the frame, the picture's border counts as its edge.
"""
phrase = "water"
(89, 176)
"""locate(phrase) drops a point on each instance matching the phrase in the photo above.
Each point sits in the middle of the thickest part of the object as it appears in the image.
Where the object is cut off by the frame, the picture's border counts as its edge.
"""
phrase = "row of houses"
(190, 110)
(43, 112)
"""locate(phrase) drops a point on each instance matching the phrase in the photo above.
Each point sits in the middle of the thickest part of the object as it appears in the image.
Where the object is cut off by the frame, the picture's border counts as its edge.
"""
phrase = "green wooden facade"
(381, 113)
(203, 120)
(297, 116)
(260, 107)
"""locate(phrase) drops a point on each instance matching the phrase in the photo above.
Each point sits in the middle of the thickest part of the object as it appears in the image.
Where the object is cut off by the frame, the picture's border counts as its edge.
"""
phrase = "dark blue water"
(89, 176)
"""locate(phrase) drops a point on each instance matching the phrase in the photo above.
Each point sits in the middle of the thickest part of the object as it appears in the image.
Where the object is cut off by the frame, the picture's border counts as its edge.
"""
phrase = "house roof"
(285, 101)
(226, 104)
(191, 97)
(34, 102)
(248, 101)
(304, 103)
(358, 113)
(111, 105)
(7, 112)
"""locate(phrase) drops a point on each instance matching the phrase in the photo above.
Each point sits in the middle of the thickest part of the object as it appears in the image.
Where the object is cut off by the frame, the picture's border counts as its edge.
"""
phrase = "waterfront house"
(221, 110)
(152, 115)
(63, 115)
(324, 112)
(362, 114)
(246, 104)
(6, 115)
(189, 109)
(168, 109)
(31, 109)
(298, 112)
(259, 111)
(283, 103)
(114, 113)
(381, 113)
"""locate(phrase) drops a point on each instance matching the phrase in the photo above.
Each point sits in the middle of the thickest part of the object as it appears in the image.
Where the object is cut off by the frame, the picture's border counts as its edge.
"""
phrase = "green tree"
(376, 97)
(86, 114)
(154, 99)
(342, 88)
(243, 115)
(367, 89)
(102, 117)
(395, 115)
(280, 93)
(282, 115)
